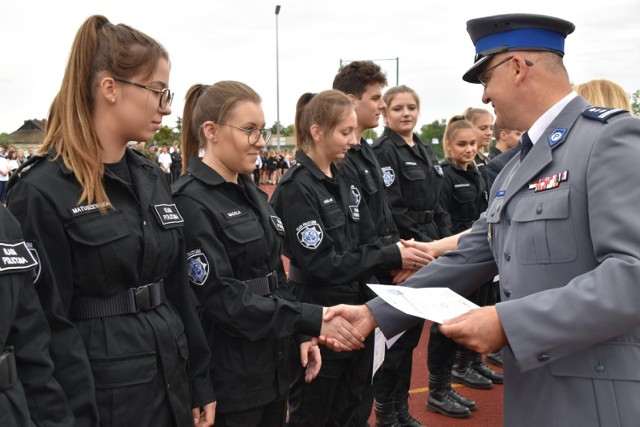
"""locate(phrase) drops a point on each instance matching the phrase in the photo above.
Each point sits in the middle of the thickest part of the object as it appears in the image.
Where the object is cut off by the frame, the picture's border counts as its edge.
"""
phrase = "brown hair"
(209, 102)
(354, 77)
(325, 109)
(392, 92)
(455, 124)
(99, 48)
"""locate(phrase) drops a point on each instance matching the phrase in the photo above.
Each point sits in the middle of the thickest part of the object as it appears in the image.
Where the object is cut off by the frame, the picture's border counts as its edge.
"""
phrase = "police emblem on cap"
(309, 234)
(388, 176)
(198, 267)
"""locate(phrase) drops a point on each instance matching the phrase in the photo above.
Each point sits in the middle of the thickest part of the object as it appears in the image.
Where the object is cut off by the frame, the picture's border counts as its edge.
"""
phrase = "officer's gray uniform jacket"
(569, 264)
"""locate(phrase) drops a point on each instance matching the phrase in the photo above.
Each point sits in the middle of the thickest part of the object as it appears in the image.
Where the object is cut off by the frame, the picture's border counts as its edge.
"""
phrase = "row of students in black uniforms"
(120, 256)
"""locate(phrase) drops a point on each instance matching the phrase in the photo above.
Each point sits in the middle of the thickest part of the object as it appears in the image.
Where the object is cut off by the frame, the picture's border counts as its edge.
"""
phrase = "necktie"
(525, 145)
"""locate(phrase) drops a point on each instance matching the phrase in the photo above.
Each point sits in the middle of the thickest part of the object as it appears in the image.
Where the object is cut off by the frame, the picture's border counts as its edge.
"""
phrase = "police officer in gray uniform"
(561, 229)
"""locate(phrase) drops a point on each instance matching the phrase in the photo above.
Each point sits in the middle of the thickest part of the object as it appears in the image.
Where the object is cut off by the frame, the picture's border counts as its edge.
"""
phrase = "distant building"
(31, 133)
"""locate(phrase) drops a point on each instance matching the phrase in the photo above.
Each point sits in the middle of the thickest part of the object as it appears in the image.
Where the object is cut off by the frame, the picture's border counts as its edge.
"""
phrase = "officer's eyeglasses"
(484, 79)
(166, 96)
(253, 134)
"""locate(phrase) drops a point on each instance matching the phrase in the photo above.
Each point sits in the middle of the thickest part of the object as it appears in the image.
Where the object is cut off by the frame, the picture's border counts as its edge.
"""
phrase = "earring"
(113, 100)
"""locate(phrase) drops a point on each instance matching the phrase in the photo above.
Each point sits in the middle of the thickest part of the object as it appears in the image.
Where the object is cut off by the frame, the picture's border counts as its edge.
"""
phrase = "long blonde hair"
(99, 48)
(604, 93)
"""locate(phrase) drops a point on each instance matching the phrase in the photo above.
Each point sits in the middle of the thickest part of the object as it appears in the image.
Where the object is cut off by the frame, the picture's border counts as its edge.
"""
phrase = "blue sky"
(217, 40)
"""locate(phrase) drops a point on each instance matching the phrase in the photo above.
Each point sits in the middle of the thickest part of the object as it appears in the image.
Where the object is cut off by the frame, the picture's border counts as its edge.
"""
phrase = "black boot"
(495, 358)
(405, 419)
(440, 399)
(479, 366)
(385, 414)
(471, 404)
(463, 373)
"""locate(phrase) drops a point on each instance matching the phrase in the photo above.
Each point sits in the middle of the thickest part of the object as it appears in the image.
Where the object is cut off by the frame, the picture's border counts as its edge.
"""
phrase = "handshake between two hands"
(345, 327)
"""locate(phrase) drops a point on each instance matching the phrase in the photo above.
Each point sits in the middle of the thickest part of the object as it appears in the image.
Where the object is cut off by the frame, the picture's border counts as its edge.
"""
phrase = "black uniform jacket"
(85, 252)
(361, 166)
(329, 236)
(232, 236)
(413, 178)
(36, 395)
(464, 195)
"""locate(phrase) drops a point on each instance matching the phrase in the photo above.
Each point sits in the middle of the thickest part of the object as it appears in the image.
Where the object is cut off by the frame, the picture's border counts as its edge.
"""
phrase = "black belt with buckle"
(8, 371)
(264, 286)
(129, 301)
(421, 217)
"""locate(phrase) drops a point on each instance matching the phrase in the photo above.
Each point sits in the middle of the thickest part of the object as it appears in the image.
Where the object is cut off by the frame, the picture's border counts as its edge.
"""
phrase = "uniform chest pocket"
(243, 230)
(100, 248)
(414, 173)
(544, 229)
(464, 195)
(332, 218)
(367, 181)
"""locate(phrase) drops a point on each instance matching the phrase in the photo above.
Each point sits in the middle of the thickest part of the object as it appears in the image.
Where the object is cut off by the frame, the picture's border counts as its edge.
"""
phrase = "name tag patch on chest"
(168, 215)
(16, 257)
(197, 266)
(277, 223)
(548, 182)
(309, 234)
(388, 176)
(87, 209)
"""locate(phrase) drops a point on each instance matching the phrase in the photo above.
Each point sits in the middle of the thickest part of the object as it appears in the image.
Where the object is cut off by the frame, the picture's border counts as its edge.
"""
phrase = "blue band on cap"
(532, 38)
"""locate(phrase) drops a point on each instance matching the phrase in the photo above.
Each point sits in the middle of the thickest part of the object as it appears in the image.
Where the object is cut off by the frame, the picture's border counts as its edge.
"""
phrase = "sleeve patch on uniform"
(388, 176)
(34, 254)
(309, 234)
(198, 266)
(16, 257)
(168, 215)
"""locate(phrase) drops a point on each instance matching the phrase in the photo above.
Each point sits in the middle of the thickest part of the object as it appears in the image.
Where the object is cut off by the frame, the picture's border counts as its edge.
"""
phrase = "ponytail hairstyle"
(326, 109)
(99, 49)
(455, 124)
(209, 102)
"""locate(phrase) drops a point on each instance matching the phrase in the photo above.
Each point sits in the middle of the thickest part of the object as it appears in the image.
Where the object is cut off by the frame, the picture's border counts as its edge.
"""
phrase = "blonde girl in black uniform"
(234, 241)
(113, 279)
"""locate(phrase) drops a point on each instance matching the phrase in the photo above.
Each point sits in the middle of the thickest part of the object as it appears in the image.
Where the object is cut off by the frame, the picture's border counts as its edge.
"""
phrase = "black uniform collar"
(306, 161)
(133, 158)
(203, 172)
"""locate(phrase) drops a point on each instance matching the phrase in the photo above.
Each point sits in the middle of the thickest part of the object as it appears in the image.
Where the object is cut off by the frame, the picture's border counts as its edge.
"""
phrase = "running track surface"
(489, 402)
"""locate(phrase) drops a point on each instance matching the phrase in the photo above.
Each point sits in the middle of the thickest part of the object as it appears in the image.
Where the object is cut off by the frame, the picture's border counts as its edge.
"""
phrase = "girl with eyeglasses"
(126, 341)
(234, 246)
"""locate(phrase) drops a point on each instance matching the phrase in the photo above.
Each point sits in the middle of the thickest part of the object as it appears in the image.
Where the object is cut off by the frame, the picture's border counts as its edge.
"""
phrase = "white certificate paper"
(435, 304)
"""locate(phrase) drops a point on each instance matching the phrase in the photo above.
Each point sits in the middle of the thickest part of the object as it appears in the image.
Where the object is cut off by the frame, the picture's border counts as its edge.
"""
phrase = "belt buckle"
(272, 280)
(142, 296)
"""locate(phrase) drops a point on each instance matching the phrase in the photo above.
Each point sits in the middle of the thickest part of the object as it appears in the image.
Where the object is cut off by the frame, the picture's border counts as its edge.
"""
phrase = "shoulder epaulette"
(602, 114)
